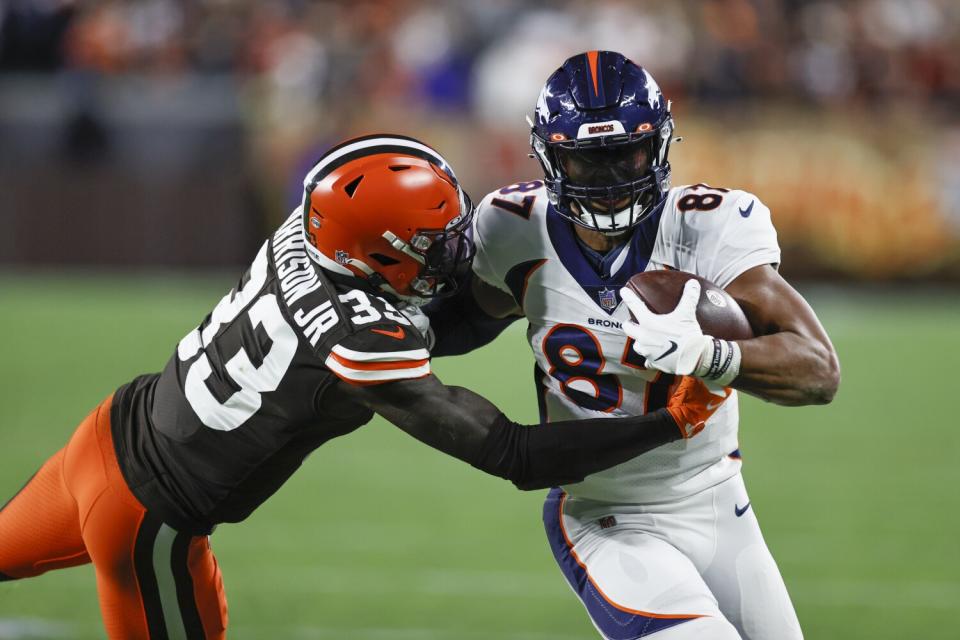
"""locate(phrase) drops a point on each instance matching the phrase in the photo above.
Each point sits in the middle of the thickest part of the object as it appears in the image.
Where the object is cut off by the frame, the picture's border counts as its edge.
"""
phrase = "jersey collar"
(603, 289)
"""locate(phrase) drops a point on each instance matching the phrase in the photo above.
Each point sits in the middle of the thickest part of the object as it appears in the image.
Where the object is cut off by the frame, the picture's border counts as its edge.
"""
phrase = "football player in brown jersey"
(307, 347)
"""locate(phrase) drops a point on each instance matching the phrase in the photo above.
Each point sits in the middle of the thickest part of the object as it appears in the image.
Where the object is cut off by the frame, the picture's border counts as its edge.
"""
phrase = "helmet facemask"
(446, 255)
(601, 131)
(607, 183)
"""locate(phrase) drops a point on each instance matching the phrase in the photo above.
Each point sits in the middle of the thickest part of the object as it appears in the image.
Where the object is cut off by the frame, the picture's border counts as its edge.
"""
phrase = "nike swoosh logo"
(737, 510)
(673, 347)
(746, 212)
(397, 333)
(711, 405)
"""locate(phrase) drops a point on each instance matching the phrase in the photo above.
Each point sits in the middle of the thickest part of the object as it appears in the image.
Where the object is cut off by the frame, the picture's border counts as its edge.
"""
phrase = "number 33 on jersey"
(255, 332)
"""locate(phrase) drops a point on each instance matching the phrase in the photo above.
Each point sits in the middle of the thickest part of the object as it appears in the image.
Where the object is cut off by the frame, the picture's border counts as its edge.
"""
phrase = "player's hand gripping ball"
(670, 342)
(676, 315)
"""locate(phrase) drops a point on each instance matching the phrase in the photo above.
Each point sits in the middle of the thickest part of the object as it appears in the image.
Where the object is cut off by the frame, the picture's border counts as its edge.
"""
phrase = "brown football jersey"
(243, 400)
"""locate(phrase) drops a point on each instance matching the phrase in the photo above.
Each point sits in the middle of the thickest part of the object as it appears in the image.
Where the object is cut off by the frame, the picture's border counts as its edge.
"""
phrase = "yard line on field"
(398, 582)
(33, 628)
(876, 594)
(401, 581)
(320, 633)
(384, 633)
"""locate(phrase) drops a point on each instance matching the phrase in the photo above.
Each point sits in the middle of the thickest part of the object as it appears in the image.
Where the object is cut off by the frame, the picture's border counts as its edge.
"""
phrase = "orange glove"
(691, 403)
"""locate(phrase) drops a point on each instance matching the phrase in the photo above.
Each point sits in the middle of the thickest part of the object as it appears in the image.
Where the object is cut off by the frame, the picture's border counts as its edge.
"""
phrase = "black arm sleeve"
(467, 426)
(460, 325)
(537, 457)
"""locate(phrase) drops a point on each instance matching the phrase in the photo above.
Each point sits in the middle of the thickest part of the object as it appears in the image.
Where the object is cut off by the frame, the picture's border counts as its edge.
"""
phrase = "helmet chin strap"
(404, 247)
(588, 219)
(381, 283)
(616, 234)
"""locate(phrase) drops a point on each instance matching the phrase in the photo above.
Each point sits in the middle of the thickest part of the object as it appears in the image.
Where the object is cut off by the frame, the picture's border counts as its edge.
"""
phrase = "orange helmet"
(389, 209)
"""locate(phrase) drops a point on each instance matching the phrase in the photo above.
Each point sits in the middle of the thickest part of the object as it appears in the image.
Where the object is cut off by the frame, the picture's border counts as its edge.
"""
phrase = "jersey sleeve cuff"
(737, 268)
(370, 367)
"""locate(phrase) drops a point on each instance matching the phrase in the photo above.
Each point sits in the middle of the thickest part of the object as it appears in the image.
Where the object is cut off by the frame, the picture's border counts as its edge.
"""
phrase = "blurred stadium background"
(147, 146)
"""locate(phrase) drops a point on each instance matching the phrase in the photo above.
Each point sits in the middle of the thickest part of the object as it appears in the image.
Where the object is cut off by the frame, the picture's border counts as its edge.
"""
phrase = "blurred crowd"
(449, 54)
(157, 83)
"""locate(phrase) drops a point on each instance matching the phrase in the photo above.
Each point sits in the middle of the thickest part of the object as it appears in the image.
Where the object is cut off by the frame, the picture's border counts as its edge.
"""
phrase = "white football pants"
(693, 568)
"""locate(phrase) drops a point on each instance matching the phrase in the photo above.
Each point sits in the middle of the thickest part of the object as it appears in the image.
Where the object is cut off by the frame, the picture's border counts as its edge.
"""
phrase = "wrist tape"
(720, 362)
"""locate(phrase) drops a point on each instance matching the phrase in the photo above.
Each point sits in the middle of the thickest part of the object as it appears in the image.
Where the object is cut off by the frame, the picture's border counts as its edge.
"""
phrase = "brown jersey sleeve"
(381, 346)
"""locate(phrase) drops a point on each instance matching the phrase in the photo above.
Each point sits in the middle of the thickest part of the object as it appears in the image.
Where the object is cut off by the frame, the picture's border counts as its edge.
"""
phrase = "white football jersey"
(585, 366)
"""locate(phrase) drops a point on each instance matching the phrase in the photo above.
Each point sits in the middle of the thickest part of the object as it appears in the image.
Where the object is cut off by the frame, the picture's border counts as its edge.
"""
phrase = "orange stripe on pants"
(78, 509)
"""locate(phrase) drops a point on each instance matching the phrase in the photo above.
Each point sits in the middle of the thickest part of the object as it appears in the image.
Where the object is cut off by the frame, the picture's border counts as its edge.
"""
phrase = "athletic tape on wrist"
(715, 359)
(720, 362)
(734, 369)
(707, 357)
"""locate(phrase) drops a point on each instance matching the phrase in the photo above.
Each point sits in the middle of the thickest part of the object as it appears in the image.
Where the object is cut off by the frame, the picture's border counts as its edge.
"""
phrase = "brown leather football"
(719, 315)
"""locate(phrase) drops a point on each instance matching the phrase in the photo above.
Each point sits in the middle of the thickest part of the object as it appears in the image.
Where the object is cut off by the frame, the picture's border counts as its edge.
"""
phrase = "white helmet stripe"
(391, 141)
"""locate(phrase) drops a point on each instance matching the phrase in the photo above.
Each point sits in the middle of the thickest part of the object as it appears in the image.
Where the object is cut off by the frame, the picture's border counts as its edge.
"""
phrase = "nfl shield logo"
(608, 299)
(342, 256)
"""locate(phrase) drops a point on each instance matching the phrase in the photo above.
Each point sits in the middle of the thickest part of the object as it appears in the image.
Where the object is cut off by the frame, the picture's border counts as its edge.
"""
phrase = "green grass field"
(378, 537)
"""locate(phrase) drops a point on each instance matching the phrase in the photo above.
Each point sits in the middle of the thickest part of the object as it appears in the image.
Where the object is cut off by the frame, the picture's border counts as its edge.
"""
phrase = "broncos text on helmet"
(388, 209)
(602, 132)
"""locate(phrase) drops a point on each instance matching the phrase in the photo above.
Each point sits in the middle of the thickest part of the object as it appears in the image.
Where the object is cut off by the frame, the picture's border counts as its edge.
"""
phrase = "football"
(719, 315)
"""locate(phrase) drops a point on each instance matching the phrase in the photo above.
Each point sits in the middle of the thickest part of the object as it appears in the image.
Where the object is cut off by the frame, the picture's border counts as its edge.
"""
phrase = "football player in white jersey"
(665, 544)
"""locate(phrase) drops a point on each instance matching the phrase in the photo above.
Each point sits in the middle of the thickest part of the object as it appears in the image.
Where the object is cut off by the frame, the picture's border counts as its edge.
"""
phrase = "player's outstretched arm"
(472, 318)
(467, 426)
(792, 361)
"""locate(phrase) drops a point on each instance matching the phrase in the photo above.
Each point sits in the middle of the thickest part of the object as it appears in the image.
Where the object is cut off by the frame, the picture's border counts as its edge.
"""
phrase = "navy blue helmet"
(602, 132)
